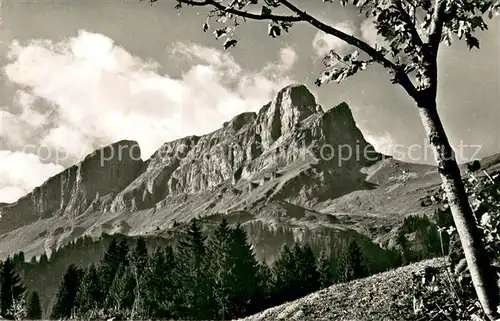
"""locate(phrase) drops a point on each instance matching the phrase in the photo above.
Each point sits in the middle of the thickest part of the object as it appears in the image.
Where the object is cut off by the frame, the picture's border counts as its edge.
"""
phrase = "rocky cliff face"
(78, 189)
(291, 131)
(290, 152)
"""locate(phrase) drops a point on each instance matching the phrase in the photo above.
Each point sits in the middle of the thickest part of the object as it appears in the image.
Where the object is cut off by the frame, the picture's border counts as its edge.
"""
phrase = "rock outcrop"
(101, 175)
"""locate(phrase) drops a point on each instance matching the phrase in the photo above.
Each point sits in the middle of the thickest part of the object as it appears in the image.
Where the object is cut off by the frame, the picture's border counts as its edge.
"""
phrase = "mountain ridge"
(289, 152)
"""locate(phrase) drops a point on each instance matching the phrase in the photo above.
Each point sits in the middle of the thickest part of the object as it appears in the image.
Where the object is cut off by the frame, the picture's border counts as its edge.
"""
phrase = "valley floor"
(374, 298)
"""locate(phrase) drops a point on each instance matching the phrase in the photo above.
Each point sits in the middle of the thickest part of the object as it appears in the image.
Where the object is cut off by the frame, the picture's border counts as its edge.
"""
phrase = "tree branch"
(372, 52)
(410, 24)
(244, 14)
(400, 76)
(436, 27)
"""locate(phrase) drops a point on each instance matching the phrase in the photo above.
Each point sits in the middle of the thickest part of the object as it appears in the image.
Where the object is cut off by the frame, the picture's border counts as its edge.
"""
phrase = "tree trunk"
(482, 274)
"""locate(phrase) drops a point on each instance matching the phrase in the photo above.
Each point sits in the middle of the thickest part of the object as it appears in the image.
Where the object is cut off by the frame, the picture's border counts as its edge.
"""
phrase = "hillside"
(375, 298)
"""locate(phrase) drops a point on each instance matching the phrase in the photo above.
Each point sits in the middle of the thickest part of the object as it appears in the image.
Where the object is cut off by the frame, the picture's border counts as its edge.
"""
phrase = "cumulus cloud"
(21, 172)
(96, 93)
(322, 43)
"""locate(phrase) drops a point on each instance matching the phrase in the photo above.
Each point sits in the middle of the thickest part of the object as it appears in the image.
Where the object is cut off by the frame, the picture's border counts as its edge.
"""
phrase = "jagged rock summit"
(282, 164)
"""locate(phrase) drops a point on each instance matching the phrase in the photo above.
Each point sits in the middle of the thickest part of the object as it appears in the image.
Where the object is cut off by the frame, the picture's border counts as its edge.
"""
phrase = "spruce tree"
(34, 309)
(121, 293)
(90, 296)
(139, 256)
(109, 265)
(12, 288)
(160, 284)
(221, 270)
(195, 293)
(305, 270)
(66, 295)
(265, 294)
(115, 256)
(245, 274)
(325, 270)
(44, 260)
(284, 276)
(352, 263)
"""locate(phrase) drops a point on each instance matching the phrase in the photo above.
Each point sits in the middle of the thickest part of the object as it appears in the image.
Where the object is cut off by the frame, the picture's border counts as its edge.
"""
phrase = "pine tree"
(34, 311)
(66, 295)
(18, 259)
(325, 270)
(221, 269)
(406, 252)
(264, 294)
(307, 270)
(295, 273)
(306, 274)
(139, 256)
(160, 285)
(44, 260)
(109, 265)
(89, 296)
(195, 294)
(352, 265)
(121, 293)
(11, 288)
(284, 276)
(245, 273)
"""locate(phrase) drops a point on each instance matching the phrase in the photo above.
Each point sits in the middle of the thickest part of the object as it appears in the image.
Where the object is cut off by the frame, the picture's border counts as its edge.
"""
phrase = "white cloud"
(288, 57)
(323, 43)
(21, 172)
(369, 34)
(99, 93)
(383, 143)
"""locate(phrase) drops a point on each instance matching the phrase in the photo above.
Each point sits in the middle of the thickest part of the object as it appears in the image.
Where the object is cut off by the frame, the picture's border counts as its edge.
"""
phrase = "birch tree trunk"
(480, 269)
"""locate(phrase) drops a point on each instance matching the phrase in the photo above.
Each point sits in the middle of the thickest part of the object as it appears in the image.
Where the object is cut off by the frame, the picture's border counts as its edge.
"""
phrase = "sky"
(78, 75)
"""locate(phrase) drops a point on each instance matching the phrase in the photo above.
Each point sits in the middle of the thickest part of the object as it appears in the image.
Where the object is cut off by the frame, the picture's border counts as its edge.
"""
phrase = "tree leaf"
(218, 33)
(229, 43)
(472, 42)
(266, 11)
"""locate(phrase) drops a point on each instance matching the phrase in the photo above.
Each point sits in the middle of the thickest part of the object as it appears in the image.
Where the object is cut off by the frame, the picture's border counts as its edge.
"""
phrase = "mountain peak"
(299, 96)
(292, 105)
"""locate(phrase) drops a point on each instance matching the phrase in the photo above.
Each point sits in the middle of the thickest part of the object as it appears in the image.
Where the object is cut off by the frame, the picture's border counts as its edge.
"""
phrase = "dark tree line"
(199, 277)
